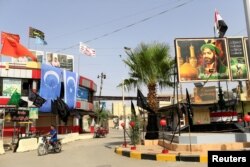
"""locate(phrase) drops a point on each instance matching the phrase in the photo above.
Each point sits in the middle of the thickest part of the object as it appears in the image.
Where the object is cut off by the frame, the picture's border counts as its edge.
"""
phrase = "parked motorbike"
(100, 132)
(45, 147)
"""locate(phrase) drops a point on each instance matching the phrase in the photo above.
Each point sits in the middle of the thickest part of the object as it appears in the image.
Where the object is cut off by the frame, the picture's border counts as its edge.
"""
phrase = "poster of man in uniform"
(202, 59)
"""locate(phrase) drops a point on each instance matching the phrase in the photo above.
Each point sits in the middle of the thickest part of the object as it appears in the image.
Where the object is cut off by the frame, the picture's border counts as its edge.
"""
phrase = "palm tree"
(150, 65)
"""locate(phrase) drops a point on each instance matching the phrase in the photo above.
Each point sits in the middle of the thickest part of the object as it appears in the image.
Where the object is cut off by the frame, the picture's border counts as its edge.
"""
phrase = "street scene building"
(25, 78)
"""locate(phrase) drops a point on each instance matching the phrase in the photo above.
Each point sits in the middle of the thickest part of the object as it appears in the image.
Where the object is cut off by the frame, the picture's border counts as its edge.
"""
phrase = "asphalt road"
(96, 152)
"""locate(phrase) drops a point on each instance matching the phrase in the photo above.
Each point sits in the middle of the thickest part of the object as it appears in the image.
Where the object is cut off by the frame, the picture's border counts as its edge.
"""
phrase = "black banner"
(33, 33)
(235, 46)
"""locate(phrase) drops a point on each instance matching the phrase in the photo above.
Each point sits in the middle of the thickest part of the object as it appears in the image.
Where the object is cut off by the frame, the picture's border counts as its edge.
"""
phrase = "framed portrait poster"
(202, 59)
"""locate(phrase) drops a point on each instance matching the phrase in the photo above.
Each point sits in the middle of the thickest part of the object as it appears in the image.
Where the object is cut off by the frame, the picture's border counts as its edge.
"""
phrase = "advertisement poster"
(82, 93)
(203, 59)
(205, 94)
(10, 85)
(60, 60)
(33, 113)
(238, 60)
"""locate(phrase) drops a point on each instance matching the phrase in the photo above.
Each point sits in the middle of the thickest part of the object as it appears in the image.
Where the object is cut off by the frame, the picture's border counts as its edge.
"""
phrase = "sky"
(109, 25)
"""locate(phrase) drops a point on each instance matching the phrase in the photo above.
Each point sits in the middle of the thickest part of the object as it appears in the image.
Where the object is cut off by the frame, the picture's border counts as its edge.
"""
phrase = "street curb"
(161, 157)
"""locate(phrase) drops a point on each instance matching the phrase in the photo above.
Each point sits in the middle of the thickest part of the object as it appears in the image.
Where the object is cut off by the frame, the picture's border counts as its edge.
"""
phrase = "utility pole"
(102, 76)
(124, 116)
(247, 13)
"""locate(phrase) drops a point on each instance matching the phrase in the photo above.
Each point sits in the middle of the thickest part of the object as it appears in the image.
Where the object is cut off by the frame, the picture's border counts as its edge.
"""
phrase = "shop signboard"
(19, 114)
(205, 94)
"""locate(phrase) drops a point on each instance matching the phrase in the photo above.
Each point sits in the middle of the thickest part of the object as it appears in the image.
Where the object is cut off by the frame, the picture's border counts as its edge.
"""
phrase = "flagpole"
(78, 64)
(29, 38)
(124, 115)
(247, 12)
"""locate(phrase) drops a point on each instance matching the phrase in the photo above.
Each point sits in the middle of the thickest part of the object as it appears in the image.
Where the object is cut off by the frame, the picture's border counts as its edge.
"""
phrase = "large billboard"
(60, 60)
(202, 59)
(238, 59)
(37, 53)
(205, 94)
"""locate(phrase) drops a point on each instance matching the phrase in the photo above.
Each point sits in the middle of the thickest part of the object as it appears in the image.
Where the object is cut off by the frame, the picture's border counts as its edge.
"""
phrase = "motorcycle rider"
(53, 134)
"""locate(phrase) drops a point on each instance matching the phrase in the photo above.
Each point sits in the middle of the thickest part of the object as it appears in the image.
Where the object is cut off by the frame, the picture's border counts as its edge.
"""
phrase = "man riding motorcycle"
(53, 135)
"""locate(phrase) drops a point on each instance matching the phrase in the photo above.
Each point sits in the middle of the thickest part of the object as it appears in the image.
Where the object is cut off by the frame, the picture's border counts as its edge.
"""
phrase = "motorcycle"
(100, 132)
(45, 147)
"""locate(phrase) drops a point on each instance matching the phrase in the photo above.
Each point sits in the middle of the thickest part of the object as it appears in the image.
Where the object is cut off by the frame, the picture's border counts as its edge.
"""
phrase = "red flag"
(14, 49)
(9, 35)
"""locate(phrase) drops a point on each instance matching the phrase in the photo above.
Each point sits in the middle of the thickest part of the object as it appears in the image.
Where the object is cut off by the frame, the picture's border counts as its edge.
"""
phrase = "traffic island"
(158, 156)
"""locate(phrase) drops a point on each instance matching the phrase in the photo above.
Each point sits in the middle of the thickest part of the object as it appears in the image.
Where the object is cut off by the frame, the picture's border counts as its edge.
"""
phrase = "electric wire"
(130, 25)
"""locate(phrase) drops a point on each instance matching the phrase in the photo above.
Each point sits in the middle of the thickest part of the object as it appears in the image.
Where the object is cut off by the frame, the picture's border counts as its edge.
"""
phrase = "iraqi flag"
(70, 88)
(220, 26)
(50, 87)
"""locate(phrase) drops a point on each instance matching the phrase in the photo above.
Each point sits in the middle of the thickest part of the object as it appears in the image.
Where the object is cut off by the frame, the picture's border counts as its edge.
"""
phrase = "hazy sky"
(109, 25)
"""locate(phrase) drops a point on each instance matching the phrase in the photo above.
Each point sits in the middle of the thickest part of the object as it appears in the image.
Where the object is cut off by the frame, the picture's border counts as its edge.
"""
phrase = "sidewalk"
(31, 143)
(154, 152)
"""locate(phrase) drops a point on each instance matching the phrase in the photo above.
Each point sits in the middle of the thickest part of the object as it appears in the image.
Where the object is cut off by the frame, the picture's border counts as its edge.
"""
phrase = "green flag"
(15, 98)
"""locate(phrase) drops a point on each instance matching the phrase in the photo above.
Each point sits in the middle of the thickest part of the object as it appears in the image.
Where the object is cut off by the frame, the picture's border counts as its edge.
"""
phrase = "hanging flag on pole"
(14, 49)
(133, 109)
(15, 98)
(70, 88)
(142, 102)
(84, 49)
(38, 101)
(33, 33)
(4, 35)
(220, 25)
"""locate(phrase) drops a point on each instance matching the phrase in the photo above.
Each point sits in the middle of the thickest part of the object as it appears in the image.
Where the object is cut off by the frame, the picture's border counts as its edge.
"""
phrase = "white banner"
(84, 49)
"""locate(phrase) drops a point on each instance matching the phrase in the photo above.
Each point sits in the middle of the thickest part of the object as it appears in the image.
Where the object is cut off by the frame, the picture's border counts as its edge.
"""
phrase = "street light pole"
(124, 115)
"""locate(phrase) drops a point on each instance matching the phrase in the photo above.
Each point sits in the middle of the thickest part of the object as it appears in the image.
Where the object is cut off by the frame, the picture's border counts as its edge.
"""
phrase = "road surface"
(96, 152)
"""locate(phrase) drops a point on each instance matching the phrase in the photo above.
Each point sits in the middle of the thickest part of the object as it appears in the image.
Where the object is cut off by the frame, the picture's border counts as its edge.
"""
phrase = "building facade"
(24, 76)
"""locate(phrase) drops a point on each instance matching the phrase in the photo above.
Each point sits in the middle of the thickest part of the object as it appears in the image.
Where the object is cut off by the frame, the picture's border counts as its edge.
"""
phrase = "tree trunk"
(152, 97)
(152, 127)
